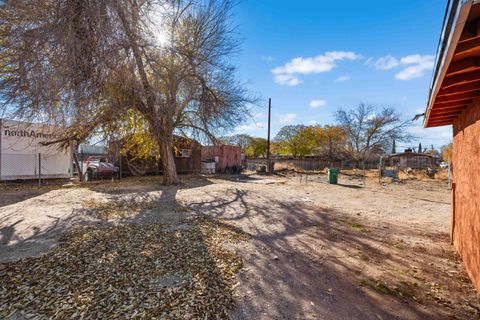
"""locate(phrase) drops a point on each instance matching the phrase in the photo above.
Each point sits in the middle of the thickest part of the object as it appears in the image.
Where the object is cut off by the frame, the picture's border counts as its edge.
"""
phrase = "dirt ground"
(357, 250)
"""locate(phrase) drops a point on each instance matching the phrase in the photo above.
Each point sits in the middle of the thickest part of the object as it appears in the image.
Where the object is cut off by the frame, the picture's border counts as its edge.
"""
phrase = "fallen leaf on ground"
(130, 272)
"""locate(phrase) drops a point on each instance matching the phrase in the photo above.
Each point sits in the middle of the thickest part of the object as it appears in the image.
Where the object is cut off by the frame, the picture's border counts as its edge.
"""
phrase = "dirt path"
(359, 250)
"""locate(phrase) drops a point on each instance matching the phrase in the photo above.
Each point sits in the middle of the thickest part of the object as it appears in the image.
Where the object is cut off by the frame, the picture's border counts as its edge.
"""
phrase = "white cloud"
(342, 78)
(384, 63)
(247, 128)
(287, 74)
(417, 64)
(287, 79)
(318, 103)
(287, 118)
(313, 122)
(259, 115)
(414, 66)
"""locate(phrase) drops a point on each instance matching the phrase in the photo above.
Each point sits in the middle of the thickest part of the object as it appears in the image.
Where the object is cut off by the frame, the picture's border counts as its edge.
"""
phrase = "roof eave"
(455, 19)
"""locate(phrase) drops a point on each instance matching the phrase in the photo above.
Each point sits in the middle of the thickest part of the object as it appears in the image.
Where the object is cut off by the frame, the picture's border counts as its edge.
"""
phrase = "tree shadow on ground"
(126, 271)
(309, 262)
(12, 192)
(304, 261)
(159, 272)
(21, 238)
(11, 196)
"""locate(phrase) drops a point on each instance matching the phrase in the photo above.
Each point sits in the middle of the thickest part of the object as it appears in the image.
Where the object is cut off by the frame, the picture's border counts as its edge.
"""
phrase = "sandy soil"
(357, 250)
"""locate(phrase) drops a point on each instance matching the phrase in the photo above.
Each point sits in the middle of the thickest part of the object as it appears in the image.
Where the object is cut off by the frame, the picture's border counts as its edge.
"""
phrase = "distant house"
(454, 99)
(410, 159)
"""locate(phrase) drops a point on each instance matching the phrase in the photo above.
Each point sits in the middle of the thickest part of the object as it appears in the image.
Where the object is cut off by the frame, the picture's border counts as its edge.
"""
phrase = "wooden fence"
(307, 164)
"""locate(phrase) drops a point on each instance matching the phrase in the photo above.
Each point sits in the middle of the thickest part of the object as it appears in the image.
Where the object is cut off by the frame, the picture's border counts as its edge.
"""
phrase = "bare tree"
(241, 140)
(370, 131)
(82, 64)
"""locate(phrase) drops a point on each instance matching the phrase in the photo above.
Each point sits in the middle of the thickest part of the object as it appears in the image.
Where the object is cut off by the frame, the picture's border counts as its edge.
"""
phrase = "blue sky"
(312, 57)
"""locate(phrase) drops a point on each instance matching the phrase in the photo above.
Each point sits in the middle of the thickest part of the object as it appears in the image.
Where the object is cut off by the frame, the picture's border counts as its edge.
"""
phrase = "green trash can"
(333, 175)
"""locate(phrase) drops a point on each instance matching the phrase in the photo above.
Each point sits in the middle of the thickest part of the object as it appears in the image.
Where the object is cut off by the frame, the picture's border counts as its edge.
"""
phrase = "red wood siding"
(228, 156)
(466, 177)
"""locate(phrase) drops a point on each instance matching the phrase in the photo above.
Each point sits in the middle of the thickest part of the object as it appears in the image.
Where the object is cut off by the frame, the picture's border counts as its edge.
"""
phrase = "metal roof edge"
(454, 20)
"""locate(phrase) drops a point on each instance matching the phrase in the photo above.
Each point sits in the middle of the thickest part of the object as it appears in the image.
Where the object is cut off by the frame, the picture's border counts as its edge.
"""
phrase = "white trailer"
(23, 156)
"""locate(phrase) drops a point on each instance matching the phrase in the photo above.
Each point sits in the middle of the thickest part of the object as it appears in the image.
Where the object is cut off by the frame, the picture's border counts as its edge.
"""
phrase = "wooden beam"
(438, 111)
(467, 48)
(460, 88)
(439, 120)
(442, 118)
(469, 31)
(461, 79)
(463, 66)
(446, 112)
(435, 116)
(449, 105)
(462, 102)
(457, 97)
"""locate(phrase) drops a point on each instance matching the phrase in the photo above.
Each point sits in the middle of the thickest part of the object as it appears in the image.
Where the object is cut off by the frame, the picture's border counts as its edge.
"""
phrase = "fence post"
(121, 168)
(39, 169)
(449, 176)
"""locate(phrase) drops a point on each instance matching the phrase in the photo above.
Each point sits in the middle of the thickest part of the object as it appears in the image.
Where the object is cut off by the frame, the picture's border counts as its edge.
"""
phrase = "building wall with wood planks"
(225, 156)
(466, 189)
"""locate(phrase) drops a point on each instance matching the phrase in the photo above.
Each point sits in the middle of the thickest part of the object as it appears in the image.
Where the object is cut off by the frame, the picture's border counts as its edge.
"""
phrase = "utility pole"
(268, 136)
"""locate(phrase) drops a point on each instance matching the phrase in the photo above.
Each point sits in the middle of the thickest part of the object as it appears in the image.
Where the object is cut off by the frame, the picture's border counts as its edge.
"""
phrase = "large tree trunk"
(79, 168)
(77, 163)
(168, 160)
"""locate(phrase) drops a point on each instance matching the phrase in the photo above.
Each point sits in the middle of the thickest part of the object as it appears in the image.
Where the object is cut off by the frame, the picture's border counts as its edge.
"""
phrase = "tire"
(89, 175)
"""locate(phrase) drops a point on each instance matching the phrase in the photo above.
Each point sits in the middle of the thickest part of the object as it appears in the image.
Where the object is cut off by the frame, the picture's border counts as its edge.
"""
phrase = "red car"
(95, 167)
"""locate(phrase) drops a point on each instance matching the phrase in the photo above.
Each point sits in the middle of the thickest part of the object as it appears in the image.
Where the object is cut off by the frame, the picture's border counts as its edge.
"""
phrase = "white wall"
(20, 146)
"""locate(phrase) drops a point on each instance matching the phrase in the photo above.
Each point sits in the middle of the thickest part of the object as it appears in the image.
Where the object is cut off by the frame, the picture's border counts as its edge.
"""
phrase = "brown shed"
(454, 99)
(413, 160)
(226, 157)
(188, 155)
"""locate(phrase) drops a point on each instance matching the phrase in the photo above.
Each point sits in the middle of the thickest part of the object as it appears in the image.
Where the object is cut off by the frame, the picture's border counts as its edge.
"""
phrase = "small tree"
(369, 131)
(447, 151)
(257, 147)
(394, 147)
(241, 140)
(331, 140)
(297, 140)
(420, 149)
